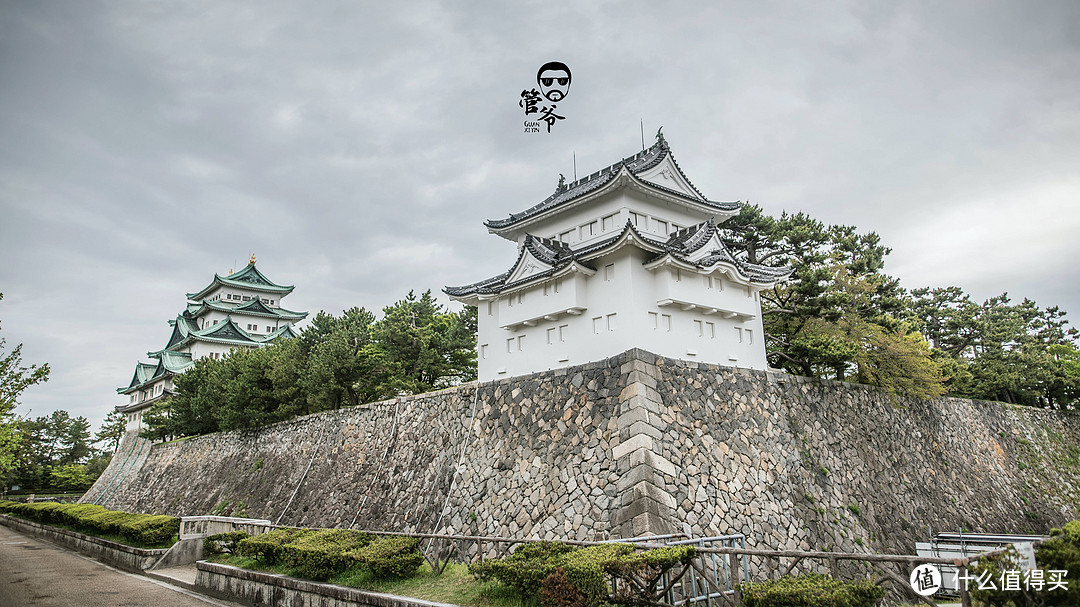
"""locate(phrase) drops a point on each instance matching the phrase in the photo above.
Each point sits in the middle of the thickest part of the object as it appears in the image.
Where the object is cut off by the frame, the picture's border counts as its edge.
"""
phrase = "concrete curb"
(119, 555)
(264, 589)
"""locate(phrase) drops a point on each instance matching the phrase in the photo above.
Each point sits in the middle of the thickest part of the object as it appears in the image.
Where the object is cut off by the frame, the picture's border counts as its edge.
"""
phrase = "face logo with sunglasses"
(554, 80)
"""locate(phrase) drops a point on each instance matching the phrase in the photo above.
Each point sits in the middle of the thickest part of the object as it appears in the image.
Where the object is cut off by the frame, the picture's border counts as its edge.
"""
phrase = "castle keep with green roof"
(240, 310)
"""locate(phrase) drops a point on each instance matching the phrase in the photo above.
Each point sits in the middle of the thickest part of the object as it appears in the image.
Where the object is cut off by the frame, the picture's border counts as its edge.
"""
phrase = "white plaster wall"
(616, 318)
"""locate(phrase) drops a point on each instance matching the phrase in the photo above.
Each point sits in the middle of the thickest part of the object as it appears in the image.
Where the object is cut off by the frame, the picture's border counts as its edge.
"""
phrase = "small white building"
(628, 257)
(240, 310)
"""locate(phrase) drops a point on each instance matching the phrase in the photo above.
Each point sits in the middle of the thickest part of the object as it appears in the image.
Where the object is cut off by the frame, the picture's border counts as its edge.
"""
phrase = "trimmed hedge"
(563, 576)
(267, 546)
(322, 554)
(223, 543)
(392, 556)
(325, 553)
(811, 590)
(143, 529)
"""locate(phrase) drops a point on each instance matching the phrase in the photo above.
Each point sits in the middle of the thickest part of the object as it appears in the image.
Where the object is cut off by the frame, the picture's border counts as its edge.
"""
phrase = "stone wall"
(635, 444)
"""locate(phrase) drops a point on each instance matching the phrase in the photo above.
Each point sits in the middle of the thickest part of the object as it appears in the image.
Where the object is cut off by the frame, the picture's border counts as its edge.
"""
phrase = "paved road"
(34, 573)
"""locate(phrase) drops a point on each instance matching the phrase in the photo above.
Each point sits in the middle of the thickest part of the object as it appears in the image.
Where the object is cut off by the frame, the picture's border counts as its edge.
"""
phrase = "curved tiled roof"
(249, 278)
(253, 307)
(680, 246)
(642, 161)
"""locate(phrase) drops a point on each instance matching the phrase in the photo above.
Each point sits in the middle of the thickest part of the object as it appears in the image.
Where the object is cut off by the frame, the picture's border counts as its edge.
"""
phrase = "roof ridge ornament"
(252, 259)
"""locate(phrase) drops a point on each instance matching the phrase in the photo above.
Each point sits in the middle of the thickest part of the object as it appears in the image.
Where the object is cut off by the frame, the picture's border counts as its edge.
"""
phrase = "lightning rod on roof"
(642, 123)
(575, 166)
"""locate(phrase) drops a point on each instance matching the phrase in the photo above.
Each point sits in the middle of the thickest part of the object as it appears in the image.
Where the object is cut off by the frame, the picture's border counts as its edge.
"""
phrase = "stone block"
(635, 414)
(640, 428)
(632, 390)
(649, 523)
(635, 508)
(634, 476)
(640, 441)
(639, 365)
(640, 377)
(648, 458)
(646, 489)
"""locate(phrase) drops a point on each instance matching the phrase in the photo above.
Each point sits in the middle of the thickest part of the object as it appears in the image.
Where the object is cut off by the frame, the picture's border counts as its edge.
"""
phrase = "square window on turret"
(609, 272)
(654, 320)
(609, 223)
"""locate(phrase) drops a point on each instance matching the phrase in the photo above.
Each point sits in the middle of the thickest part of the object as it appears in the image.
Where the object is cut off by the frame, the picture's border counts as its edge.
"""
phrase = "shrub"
(525, 569)
(557, 591)
(393, 556)
(222, 543)
(323, 554)
(149, 528)
(267, 546)
(146, 529)
(585, 569)
(567, 577)
(811, 590)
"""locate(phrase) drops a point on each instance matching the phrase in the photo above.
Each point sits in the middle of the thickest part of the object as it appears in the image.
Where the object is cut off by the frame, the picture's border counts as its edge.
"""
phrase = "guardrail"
(715, 580)
(196, 527)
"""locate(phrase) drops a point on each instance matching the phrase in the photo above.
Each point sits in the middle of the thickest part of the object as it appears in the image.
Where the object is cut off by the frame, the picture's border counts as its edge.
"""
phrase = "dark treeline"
(417, 346)
(841, 317)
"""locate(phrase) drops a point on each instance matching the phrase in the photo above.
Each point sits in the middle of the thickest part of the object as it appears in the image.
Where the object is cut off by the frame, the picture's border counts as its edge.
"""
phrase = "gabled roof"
(253, 307)
(635, 165)
(169, 363)
(699, 246)
(227, 332)
(283, 332)
(185, 331)
(143, 372)
(686, 246)
(249, 279)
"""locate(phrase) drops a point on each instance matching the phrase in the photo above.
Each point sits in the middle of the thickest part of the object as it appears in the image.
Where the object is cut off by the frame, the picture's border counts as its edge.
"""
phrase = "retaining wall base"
(128, 558)
(261, 589)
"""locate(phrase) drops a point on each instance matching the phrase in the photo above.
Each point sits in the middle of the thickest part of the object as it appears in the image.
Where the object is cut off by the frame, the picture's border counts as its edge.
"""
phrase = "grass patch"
(456, 585)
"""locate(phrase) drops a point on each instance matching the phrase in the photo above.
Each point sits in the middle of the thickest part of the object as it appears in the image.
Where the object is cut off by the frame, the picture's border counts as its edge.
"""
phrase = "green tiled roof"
(253, 306)
(249, 278)
(143, 373)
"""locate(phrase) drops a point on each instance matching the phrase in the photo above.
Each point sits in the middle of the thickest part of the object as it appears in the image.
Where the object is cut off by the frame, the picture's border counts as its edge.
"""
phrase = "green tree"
(338, 354)
(70, 477)
(192, 409)
(111, 431)
(14, 380)
(427, 347)
(838, 315)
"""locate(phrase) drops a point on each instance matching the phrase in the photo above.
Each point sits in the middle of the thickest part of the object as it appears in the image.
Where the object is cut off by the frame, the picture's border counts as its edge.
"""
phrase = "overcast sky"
(357, 147)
